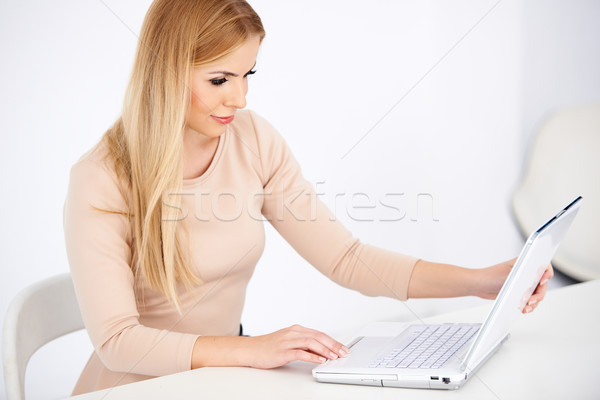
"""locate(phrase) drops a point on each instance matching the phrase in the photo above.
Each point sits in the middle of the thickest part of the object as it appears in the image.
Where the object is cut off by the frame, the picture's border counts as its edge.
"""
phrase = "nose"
(237, 97)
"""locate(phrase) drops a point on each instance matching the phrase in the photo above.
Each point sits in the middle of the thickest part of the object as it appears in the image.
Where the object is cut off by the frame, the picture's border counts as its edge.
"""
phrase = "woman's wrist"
(222, 351)
(474, 282)
(436, 280)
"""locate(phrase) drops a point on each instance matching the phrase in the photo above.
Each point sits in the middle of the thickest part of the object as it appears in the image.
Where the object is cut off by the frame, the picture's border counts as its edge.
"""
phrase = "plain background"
(426, 106)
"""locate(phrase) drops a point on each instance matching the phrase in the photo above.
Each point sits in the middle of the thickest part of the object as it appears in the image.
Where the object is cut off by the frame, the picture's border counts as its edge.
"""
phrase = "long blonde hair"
(146, 142)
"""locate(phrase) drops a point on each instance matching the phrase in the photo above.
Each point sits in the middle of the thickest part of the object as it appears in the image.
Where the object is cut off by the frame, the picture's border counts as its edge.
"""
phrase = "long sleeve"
(99, 252)
(295, 211)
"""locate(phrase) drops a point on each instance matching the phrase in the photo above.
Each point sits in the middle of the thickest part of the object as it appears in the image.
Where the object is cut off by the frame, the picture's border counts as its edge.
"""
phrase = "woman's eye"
(218, 82)
(249, 73)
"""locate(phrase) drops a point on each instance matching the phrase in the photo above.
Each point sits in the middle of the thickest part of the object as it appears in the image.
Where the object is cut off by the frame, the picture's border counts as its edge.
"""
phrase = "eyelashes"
(220, 81)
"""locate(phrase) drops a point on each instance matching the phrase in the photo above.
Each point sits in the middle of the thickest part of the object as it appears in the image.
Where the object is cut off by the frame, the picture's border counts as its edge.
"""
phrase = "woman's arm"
(266, 351)
(99, 251)
(295, 210)
(430, 279)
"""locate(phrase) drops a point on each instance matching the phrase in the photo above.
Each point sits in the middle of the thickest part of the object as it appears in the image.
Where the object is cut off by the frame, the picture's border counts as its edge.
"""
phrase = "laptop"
(445, 356)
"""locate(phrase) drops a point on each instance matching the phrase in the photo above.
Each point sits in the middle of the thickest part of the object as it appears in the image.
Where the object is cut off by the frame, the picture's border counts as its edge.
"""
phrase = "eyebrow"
(227, 73)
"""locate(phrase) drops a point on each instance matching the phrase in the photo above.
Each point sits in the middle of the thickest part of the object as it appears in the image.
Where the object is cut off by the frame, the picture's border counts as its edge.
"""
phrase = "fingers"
(311, 345)
(533, 302)
(291, 344)
(540, 291)
(308, 357)
(314, 346)
(548, 274)
(331, 348)
(535, 299)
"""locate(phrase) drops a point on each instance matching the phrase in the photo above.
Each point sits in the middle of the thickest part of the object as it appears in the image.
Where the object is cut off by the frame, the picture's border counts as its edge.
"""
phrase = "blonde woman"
(164, 216)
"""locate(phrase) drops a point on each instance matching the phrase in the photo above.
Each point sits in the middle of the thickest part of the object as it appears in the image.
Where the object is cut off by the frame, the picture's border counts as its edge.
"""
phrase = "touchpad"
(363, 351)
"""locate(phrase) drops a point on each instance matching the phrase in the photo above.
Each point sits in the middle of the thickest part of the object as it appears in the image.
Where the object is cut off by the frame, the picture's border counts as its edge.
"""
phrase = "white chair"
(564, 163)
(39, 314)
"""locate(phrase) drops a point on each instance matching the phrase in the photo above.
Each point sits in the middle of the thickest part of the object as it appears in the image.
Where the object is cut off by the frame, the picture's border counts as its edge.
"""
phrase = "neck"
(194, 140)
(198, 152)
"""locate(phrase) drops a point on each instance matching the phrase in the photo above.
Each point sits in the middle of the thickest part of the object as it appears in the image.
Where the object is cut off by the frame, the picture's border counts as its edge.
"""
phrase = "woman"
(163, 218)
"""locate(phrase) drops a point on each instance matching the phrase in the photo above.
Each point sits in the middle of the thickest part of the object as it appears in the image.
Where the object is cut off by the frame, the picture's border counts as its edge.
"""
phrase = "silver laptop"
(445, 356)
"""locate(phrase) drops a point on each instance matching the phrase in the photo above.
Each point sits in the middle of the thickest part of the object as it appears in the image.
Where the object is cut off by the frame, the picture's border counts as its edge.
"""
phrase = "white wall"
(562, 58)
(459, 113)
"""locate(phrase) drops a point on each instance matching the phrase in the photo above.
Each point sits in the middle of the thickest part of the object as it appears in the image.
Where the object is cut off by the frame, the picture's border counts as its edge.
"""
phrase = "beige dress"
(253, 176)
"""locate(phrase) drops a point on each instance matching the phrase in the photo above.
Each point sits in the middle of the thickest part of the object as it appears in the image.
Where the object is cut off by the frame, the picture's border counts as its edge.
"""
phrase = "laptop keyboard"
(430, 346)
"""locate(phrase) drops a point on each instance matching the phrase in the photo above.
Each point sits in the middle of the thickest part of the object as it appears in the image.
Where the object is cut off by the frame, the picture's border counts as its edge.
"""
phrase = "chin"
(219, 132)
(212, 132)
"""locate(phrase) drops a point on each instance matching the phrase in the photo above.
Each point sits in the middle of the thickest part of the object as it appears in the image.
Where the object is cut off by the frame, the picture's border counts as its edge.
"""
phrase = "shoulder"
(258, 133)
(94, 165)
(249, 123)
(264, 147)
(94, 179)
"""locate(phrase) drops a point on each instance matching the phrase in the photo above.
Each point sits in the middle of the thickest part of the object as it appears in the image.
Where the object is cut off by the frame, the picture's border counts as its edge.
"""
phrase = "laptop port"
(446, 380)
(435, 378)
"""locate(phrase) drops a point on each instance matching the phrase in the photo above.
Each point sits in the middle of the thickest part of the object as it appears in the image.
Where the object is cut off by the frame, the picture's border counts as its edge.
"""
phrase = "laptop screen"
(520, 284)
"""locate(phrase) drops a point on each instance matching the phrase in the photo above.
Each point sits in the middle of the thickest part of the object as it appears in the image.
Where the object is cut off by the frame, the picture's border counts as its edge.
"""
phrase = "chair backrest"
(39, 314)
(565, 163)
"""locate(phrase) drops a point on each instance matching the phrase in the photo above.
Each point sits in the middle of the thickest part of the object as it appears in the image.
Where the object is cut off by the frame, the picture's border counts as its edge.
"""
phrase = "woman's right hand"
(291, 344)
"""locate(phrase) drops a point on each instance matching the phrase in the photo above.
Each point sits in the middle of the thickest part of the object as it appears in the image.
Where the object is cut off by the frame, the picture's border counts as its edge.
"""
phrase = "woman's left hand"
(492, 278)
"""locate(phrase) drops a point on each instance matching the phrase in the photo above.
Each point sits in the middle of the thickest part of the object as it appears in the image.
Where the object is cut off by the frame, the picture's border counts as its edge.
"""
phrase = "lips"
(223, 120)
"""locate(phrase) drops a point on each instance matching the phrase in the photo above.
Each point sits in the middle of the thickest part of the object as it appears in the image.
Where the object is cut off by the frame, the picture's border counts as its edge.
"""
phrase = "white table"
(553, 354)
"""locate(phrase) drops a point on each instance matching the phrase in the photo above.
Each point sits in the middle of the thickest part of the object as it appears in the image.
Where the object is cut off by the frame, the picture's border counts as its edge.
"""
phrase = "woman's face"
(218, 90)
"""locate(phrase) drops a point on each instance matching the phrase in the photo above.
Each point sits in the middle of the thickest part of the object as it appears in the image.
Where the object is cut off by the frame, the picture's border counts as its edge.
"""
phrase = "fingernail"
(528, 309)
(544, 282)
(333, 355)
(343, 353)
(347, 350)
(322, 359)
(532, 302)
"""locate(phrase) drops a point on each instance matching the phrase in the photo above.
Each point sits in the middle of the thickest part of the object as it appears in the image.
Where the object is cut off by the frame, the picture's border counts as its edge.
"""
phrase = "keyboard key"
(431, 347)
